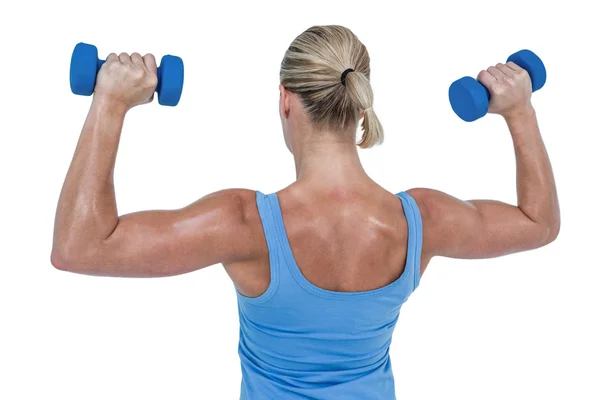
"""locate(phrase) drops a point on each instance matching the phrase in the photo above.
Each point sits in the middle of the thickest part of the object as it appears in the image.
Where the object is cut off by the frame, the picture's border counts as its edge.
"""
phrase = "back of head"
(312, 68)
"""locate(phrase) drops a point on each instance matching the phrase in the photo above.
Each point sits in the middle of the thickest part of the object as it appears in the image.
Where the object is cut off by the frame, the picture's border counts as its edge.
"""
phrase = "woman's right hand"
(510, 89)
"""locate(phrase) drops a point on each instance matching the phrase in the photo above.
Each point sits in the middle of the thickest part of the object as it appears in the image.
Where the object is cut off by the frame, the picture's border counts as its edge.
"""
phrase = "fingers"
(513, 66)
(137, 60)
(112, 57)
(502, 72)
(486, 78)
(150, 62)
(505, 70)
(496, 73)
(125, 59)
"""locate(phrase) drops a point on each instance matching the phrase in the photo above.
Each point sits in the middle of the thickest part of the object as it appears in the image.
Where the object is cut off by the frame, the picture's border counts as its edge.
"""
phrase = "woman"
(321, 267)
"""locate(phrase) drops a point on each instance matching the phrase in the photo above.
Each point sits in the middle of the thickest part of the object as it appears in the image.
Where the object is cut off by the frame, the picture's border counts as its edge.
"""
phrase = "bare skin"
(347, 233)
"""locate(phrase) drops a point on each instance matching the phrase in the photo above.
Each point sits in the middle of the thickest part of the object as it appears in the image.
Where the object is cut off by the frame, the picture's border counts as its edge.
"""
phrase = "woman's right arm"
(488, 228)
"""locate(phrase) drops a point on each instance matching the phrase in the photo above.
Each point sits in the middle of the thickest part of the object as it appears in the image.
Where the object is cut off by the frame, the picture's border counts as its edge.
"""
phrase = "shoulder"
(435, 208)
(231, 218)
(433, 204)
(427, 200)
(237, 206)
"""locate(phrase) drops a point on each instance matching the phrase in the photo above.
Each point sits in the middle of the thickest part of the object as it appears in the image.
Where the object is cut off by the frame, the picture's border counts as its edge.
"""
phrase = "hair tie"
(346, 72)
(370, 108)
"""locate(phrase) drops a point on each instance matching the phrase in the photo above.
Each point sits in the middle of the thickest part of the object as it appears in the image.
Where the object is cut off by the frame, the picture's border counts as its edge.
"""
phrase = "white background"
(524, 326)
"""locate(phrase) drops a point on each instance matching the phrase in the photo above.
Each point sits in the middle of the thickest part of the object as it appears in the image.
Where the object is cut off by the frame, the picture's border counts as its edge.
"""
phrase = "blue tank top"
(299, 341)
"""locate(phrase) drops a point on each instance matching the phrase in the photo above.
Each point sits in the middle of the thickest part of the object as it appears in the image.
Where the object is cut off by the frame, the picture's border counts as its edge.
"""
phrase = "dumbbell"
(470, 99)
(85, 66)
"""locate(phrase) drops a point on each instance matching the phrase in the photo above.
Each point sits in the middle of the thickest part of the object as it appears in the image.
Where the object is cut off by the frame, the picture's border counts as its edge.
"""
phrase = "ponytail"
(361, 94)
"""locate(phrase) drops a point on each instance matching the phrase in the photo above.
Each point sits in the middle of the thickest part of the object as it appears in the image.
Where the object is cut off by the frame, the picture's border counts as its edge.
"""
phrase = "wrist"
(522, 123)
(112, 107)
(519, 114)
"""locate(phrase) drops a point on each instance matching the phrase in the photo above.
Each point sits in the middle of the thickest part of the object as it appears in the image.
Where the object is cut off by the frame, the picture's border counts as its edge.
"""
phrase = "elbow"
(64, 259)
(550, 232)
(554, 231)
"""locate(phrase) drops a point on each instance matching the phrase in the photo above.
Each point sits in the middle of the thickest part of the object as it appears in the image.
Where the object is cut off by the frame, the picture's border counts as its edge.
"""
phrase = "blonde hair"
(312, 68)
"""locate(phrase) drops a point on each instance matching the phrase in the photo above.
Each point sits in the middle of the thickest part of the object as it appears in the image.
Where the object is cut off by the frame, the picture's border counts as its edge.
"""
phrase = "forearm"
(536, 189)
(87, 212)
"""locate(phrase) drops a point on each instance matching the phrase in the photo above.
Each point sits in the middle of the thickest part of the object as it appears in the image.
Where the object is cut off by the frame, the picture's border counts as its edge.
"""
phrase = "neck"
(328, 160)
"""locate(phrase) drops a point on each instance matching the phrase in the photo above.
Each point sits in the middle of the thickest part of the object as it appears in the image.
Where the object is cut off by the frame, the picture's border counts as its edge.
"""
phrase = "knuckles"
(130, 71)
(127, 77)
(152, 81)
(498, 89)
(510, 81)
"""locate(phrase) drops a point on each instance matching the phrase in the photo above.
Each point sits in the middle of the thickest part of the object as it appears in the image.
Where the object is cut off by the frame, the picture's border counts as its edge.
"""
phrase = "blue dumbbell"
(85, 66)
(470, 99)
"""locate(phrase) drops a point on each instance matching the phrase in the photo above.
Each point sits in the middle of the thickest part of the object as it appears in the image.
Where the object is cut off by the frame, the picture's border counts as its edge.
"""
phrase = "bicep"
(170, 242)
(475, 228)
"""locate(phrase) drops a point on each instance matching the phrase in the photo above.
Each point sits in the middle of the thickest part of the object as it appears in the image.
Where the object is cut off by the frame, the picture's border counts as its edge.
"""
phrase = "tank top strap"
(415, 234)
(270, 224)
(268, 217)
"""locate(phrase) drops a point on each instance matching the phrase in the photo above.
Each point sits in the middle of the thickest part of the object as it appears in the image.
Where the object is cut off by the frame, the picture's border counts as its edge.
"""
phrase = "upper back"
(342, 239)
(346, 240)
